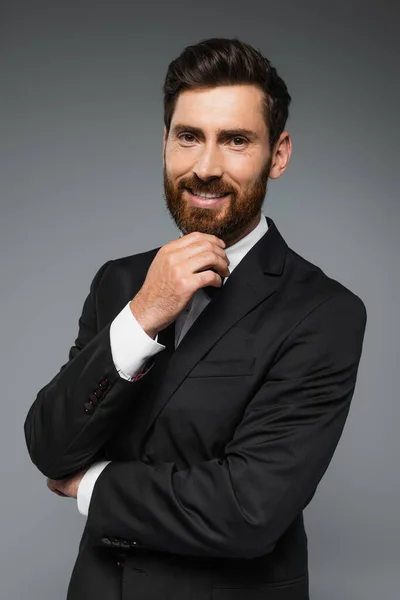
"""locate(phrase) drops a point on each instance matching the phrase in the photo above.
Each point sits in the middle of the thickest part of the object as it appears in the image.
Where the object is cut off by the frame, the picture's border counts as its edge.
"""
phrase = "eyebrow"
(222, 133)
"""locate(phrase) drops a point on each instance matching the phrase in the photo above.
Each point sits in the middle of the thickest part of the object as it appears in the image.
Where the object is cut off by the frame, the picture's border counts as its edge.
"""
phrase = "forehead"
(223, 107)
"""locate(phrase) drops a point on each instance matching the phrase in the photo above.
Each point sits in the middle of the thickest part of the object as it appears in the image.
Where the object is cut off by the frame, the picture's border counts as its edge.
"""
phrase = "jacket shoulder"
(118, 281)
(133, 265)
(139, 259)
(315, 282)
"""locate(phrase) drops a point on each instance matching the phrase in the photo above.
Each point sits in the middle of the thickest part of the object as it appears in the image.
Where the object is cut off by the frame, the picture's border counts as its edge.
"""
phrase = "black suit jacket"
(217, 450)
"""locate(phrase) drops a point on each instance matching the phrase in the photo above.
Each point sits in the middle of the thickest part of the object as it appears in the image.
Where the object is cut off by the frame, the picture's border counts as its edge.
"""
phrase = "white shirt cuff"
(131, 347)
(86, 486)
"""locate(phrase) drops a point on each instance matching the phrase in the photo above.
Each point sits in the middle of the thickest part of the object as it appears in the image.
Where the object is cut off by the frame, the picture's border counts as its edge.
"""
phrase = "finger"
(197, 237)
(204, 246)
(60, 493)
(209, 260)
(52, 485)
(207, 278)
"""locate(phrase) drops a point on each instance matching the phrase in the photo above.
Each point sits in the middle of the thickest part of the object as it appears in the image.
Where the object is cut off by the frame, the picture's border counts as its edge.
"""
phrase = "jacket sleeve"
(81, 407)
(240, 504)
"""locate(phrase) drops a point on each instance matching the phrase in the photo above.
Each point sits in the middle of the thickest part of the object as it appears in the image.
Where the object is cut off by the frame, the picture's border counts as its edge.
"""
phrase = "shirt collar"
(237, 251)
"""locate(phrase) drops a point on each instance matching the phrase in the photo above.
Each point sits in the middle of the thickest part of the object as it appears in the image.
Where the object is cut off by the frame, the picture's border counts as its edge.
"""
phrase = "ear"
(281, 154)
(164, 143)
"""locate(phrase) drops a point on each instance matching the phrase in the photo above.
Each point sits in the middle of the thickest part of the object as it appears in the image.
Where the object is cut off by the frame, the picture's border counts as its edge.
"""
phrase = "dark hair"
(221, 61)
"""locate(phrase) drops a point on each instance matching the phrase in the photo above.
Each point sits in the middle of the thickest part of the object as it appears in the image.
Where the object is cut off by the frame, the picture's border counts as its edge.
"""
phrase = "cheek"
(245, 169)
(179, 168)
(179, 162)
(242, 172)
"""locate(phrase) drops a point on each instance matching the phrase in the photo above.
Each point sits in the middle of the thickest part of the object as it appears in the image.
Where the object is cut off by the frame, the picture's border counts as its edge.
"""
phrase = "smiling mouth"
(206, 196)
(206, 200)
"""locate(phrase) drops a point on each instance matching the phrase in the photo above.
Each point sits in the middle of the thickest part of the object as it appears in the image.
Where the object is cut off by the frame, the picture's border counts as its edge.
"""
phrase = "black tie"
(211, 290)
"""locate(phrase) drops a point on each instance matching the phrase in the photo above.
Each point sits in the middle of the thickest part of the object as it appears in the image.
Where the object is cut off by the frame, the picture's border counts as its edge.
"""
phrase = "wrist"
(142, 319)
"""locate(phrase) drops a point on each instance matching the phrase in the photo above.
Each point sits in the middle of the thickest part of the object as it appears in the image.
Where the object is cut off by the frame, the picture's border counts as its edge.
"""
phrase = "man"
(211, 378)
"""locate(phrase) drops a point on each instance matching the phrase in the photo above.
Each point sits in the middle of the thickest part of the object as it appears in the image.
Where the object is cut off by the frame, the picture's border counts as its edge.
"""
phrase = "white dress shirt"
(131, 347)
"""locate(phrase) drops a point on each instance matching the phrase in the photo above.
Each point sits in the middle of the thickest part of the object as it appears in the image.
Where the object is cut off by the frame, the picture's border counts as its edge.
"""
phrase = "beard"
(226, 221)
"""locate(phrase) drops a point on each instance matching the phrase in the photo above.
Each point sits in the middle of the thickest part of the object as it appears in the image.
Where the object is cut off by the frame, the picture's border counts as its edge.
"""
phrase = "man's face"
(218, 144)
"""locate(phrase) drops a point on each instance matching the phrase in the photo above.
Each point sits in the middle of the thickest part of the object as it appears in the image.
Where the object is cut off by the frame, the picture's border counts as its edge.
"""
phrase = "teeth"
(207, 196)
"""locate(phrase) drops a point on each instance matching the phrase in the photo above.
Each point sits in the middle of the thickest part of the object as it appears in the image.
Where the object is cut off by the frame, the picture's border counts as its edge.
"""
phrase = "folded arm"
(75, 414)
(239, 505)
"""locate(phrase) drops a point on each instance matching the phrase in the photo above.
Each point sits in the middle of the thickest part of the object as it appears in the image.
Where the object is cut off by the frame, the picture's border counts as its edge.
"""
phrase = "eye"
(242, 141)
(183, 137)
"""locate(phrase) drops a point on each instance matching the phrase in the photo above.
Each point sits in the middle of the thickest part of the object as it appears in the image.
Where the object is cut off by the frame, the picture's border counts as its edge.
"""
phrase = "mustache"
(213, 187)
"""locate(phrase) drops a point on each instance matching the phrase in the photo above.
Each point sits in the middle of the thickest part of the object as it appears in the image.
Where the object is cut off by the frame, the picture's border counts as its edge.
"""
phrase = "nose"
(208, 165)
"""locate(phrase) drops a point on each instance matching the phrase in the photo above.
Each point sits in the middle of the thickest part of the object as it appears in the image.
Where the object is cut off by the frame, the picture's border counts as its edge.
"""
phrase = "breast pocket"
(224, 368)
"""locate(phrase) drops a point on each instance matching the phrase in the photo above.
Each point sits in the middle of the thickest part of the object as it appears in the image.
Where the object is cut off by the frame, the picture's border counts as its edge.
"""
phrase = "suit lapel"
(255, 278)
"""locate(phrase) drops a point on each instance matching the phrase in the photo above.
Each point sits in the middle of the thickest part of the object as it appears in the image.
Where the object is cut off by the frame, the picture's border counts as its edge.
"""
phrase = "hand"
(178, 270)
(66, 487)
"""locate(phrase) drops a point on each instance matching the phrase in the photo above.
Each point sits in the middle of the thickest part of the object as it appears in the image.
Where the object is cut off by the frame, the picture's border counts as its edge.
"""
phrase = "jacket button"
(106, 541)
(98, 393)
(89, 408)
(103, 384)
(120, 560)
(93, 399)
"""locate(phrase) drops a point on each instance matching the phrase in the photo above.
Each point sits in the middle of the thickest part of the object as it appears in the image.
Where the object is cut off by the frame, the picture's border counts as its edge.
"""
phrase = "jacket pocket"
(224, 368)
(293, 589)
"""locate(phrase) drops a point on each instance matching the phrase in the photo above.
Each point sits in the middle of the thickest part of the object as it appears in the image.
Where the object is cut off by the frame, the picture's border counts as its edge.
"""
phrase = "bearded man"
(211, 378)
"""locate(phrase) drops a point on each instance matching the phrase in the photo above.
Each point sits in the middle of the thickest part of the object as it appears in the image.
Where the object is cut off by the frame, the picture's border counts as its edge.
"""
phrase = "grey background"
(81, 182)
